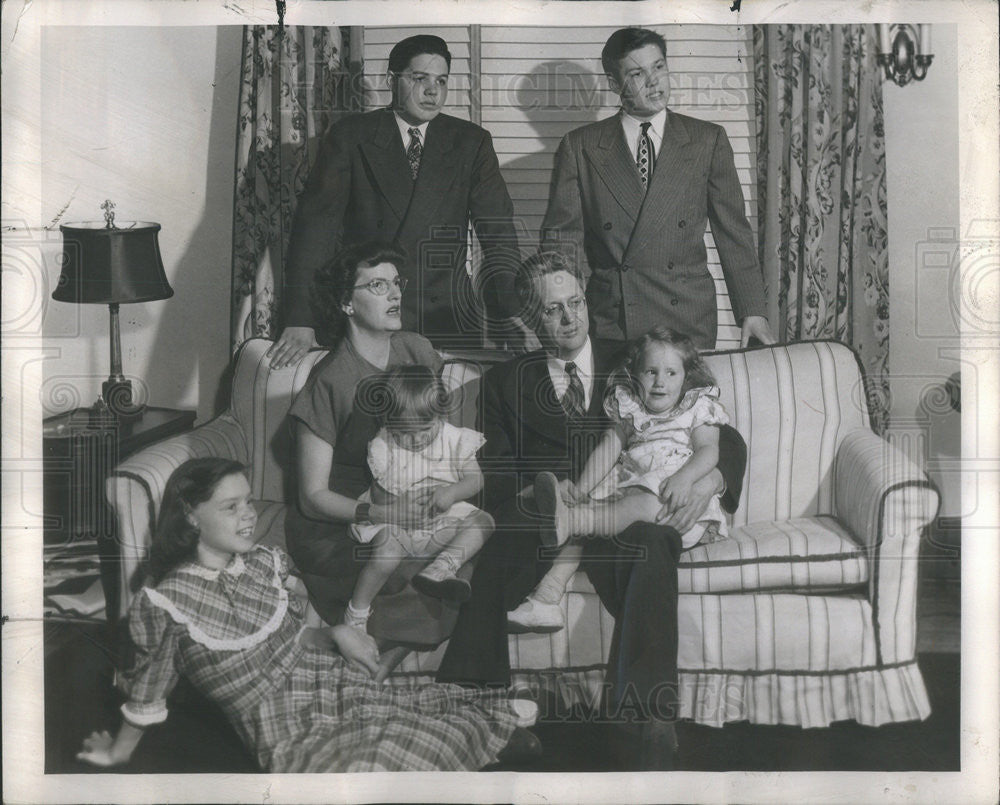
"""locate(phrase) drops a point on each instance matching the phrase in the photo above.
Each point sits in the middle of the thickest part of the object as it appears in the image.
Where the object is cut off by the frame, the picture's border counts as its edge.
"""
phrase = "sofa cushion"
(808, 554)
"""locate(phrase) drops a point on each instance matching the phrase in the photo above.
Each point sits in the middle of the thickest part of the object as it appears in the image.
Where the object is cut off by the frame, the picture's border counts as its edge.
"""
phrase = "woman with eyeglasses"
(357, 299)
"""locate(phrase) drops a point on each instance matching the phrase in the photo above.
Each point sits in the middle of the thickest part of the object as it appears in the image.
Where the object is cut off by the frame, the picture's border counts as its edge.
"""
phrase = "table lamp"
(112, 265)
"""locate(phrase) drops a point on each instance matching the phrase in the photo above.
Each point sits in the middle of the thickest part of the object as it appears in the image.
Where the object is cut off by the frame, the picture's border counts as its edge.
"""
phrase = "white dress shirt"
(404, 131)
(584, 368)
(632, 127)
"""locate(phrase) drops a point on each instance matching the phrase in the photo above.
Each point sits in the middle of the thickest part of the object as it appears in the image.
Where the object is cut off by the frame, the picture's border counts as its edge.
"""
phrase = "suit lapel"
(437, 174)
(615, 166)
(667, 185)
(539, 407)
(387, 160)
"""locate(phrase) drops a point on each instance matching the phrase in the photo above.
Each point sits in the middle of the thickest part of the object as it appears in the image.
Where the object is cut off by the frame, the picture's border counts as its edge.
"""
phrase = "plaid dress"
(235, 634)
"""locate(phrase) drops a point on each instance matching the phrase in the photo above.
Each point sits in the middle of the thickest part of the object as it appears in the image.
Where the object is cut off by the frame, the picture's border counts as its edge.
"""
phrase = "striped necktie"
(574, 401)
(413, 152)
(645, 156)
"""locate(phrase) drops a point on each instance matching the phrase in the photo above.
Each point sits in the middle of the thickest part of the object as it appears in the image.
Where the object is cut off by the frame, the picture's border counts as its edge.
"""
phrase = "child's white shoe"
(535, 616)
(525, 712)
(438, 580)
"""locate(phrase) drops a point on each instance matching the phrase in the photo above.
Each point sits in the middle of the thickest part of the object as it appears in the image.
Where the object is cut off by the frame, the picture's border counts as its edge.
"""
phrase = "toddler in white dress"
(424, 470)
(664, 412)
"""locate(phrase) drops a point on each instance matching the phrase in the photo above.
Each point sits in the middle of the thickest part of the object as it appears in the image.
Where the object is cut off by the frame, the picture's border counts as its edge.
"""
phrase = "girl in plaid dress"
(226, 614)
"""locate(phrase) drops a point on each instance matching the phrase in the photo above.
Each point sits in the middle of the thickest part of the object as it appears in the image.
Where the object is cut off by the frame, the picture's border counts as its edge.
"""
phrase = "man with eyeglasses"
(544, 411)
(415, 177)
(631, 196)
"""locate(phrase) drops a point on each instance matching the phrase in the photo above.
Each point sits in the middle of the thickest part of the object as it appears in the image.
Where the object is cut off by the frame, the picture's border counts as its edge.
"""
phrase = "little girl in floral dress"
(226, 614)
(664, 410)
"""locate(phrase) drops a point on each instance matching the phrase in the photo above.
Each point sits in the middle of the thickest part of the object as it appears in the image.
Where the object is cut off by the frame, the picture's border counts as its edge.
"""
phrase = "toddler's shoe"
(535, 616)
(525, 712)
(438, 580)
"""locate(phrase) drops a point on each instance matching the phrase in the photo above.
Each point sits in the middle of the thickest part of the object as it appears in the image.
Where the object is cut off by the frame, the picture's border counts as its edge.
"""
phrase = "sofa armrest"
(135, 488)
(885, 501)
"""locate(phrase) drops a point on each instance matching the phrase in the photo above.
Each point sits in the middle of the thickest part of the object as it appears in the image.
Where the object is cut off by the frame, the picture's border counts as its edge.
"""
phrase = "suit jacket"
(527, 430)
(645, 252)
(360, 189)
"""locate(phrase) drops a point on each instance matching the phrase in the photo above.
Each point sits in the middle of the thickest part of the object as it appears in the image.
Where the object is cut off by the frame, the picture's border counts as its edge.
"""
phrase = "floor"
(80, 697)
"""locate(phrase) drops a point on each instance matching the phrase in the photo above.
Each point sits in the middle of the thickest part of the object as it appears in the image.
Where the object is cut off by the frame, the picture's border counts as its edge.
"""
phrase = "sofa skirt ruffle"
(870, 696)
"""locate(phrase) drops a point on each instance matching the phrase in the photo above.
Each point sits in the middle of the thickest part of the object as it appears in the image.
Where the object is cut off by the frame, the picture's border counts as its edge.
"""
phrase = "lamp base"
(114, 405)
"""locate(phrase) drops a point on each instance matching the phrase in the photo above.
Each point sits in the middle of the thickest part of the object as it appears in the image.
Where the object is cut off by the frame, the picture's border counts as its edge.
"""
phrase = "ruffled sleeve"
(378, 457)
(622, 407)
(467, 444)
(154, 670)
(707, 410)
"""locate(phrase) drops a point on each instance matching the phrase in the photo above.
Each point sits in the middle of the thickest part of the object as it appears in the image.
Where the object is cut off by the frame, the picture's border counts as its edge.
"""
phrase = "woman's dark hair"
(696, 373)
(192, 483)
(404, 50)
(334, 283)
(624, 41)
(407, 393)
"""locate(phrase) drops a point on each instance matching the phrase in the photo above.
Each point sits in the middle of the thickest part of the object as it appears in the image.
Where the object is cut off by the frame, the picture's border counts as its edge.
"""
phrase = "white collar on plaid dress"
(235, 568)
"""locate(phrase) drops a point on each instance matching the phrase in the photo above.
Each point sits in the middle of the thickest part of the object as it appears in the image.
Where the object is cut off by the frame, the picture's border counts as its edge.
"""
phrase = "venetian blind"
(530, 85)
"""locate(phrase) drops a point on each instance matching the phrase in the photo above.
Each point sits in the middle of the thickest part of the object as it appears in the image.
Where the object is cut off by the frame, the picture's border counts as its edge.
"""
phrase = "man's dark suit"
(645, 250)
(361, 189)
(527, 431)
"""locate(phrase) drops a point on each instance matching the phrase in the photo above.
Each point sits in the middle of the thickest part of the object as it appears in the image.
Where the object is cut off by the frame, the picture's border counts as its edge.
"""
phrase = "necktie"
(645, 155)
(413, 152)
(574, 400)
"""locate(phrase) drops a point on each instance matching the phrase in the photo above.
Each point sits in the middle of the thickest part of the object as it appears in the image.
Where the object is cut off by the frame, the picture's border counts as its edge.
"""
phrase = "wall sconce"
(904, 51)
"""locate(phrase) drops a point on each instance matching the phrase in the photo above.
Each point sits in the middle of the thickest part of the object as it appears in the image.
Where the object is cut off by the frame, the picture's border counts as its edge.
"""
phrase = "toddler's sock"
(358, 618)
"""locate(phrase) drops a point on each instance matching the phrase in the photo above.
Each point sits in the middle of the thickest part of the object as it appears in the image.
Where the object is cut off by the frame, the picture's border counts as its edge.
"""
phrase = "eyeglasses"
(380, 287)
(557, 309)
(425, 80)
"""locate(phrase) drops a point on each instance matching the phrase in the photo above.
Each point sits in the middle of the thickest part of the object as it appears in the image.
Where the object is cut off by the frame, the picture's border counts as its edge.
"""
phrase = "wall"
(921, 143)
(145, 117)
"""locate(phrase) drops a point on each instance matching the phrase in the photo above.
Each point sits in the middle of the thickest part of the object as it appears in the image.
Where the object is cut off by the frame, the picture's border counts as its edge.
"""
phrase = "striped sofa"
(806, 616)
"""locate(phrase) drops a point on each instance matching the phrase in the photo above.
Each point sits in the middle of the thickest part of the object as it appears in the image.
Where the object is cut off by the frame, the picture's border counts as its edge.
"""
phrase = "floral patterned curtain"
(295, 82)
(822, 192)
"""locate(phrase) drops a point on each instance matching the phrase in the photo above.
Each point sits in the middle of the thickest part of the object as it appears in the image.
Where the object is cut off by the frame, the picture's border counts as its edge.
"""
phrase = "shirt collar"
(404, 130)
(631, 126)
(235, 567)
(584, 363)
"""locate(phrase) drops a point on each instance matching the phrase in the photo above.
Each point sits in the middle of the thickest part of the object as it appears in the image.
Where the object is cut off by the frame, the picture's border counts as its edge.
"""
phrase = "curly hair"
(696, 372)
(334, 282)
(404, 394)
(534, 268)
(176, 539)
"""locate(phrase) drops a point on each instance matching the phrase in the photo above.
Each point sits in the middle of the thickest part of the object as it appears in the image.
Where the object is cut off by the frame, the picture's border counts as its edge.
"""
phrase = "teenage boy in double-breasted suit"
(630, 198)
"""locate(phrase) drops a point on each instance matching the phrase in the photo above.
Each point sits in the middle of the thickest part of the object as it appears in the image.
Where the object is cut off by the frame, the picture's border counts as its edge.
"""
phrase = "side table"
(79, 455)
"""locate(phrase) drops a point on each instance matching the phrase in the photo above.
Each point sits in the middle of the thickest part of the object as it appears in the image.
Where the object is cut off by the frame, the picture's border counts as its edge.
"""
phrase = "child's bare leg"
(459, 544)
(541, 610)
(602, 519)
(611, 517)
(552, 587)
(466, 540)
(387, 555)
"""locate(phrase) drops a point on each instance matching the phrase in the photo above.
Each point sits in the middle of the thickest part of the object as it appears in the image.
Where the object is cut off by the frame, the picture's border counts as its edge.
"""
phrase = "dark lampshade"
(111, 265)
